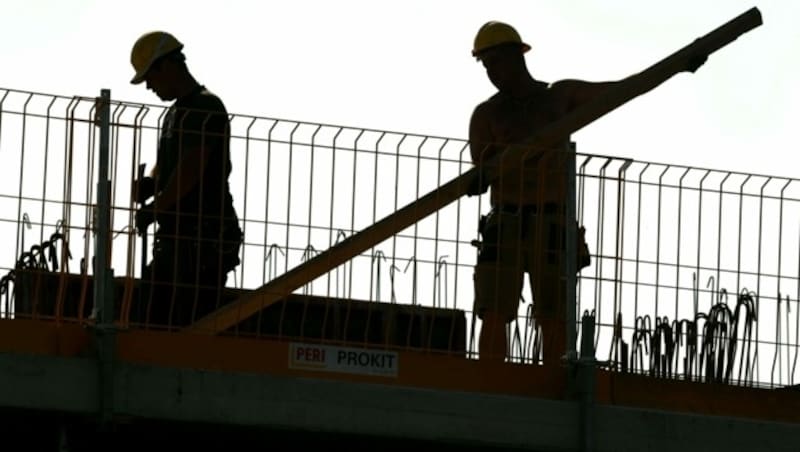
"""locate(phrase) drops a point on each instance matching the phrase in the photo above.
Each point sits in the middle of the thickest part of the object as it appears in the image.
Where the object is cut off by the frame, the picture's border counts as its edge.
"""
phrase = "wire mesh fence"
(694, 272)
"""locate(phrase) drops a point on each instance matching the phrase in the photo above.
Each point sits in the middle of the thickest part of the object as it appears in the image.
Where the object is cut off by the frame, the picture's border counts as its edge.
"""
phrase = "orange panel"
(699, 398)
(420, 369)
(43, 337)
(415, 369)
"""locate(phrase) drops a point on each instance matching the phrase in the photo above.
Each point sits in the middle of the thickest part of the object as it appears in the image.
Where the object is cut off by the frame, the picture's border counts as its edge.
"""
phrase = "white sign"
(343, 359)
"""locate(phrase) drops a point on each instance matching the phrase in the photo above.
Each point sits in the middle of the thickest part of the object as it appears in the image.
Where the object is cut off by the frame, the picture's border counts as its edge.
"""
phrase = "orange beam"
(415, 369)
(42, 337)
(456, 373)
(711, 399)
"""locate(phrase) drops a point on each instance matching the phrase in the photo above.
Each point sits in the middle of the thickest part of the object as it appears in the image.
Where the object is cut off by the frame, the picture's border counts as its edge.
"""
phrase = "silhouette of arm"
(578, 92)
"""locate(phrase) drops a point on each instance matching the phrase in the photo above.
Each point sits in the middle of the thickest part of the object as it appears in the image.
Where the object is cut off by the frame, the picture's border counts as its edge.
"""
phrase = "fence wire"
(694, 275)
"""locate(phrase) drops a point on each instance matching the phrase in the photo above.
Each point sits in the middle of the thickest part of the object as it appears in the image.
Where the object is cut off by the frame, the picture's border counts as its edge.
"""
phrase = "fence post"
(586, 370)
(103, 274)
(570, 262)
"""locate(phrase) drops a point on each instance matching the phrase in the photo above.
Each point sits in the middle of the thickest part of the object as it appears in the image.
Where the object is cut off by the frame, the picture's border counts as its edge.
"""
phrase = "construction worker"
(198, 237)
(525, 229)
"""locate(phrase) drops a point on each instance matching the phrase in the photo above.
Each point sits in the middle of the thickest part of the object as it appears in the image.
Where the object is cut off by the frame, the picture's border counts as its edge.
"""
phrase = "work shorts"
(516, 241)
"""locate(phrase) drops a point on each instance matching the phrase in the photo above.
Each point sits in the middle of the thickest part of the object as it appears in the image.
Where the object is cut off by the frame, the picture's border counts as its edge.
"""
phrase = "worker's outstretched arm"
(578, 92)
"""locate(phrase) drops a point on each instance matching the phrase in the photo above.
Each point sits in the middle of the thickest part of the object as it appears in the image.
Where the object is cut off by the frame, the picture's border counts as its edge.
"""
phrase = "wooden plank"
(611, 99)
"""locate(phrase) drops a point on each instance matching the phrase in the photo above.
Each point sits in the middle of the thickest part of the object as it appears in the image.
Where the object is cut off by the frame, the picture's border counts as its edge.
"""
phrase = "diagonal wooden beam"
(604, 103)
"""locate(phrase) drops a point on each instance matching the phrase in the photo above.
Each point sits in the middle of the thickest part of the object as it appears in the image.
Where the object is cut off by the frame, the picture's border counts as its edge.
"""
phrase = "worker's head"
(158, 60)
(499, 47)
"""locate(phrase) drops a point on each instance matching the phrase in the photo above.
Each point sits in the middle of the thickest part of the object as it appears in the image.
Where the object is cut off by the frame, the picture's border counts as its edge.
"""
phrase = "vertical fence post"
(587, 375)
(103, 274)
(570, 264)
(580, 373)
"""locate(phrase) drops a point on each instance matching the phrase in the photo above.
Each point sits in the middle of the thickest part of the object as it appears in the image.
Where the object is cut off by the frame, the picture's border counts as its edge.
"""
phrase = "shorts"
(515, 242)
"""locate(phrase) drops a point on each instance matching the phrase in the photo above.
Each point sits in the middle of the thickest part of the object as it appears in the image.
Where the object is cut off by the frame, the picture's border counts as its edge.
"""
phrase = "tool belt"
(487, 227)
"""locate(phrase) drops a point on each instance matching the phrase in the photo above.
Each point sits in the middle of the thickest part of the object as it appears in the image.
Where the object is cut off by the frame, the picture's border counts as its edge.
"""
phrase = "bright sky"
(406, 65)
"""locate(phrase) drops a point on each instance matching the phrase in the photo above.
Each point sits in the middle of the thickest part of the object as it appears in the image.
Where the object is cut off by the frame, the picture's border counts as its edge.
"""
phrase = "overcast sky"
(406, 65)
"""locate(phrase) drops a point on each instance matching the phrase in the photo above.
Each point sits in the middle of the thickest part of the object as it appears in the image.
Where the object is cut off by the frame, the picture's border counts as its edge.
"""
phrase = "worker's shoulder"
(484, 107)
(204, 100)
(482, 115)
(489, 106)
(567, 86)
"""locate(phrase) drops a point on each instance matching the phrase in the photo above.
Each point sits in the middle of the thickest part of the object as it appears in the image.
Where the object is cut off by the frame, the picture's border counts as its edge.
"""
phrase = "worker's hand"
(478, 185)
(145, 216)
(143, 189)
(695, 62)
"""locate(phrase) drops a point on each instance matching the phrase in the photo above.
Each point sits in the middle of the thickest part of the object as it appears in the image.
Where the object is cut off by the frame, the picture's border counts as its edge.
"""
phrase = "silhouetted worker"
(198, 237)
(525, 229)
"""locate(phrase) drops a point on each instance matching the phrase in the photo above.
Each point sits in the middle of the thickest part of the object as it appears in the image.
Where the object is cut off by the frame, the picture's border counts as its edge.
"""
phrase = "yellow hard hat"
(494, 33)
(148, 48)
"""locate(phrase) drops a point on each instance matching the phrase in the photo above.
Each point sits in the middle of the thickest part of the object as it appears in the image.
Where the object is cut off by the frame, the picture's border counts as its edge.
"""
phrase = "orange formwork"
(420, 369)
(711, 399)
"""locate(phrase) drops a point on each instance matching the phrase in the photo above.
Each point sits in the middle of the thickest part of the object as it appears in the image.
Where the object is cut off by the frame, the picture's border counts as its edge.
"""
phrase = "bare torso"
(533, 178)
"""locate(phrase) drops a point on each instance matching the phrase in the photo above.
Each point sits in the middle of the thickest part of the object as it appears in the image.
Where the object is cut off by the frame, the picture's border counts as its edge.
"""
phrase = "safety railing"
(695, 271)
(693, 275)
(48, 146)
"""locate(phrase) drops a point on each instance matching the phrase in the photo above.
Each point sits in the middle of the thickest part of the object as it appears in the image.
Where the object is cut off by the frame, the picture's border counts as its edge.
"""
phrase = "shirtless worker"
(525, 229)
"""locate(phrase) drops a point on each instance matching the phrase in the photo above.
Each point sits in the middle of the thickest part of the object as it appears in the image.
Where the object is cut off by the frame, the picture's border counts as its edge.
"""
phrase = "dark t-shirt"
(198, 120)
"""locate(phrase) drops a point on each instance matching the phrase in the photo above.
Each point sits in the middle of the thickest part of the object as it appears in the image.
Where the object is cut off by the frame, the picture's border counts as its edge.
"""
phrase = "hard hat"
(494, 33)
(149, 48)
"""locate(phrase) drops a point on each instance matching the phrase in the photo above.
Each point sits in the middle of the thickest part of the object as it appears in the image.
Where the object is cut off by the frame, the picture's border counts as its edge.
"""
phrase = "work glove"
(143, 189)
(695, 61)
(478, 184)
(145, 216)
